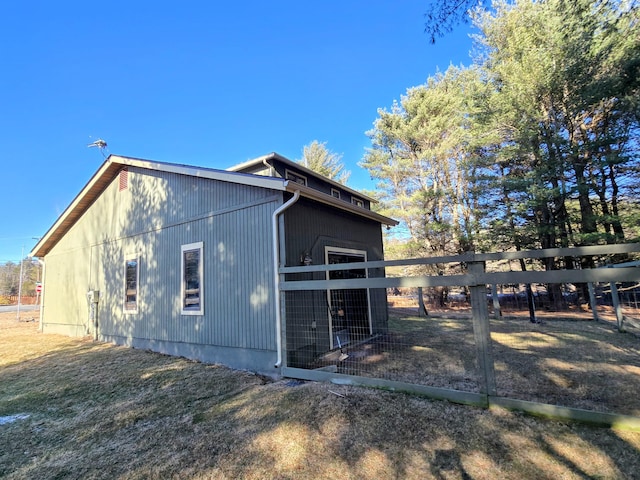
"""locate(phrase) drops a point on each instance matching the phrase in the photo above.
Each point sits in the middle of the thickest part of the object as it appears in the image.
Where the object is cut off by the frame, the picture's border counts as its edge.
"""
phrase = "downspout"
(266, 163)
(276, 267)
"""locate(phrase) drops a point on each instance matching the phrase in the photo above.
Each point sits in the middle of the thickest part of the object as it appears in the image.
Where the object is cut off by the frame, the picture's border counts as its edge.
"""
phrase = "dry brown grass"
(100, 411)
(568, 360)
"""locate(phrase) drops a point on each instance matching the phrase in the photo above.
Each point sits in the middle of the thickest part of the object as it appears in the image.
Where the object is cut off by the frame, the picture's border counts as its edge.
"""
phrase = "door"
(349, 311)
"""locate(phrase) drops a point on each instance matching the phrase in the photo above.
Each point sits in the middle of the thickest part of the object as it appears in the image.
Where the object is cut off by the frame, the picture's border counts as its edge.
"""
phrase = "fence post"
(422, 309)
(615, 298)
(593, 301)
(497, 313)
(481, 331)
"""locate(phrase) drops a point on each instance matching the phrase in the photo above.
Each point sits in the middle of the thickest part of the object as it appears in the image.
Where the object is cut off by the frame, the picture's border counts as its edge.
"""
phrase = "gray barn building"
(182, 260)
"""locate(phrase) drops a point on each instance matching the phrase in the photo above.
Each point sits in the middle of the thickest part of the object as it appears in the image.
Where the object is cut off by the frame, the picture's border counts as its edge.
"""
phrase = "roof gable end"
(107, 172)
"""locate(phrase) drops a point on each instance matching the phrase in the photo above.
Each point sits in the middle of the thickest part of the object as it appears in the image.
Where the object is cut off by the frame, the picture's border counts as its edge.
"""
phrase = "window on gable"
(192, 279)
(335, 193)
(295, 177)
(357, 202)
(131, 282)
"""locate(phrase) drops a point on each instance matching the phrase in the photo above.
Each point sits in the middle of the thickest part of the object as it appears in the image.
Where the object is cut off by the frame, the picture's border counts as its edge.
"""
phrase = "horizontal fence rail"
(628, 274)
(575, 252)
(479, 347)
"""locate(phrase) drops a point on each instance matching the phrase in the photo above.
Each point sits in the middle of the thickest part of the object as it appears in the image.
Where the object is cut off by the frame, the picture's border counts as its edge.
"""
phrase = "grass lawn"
(567, 360)
(72, 408)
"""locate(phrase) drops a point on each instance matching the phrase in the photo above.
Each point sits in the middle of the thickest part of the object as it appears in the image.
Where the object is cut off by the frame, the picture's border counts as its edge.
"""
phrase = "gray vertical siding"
(157, 214)
(65, 308)
(238, 283)
(311, 227)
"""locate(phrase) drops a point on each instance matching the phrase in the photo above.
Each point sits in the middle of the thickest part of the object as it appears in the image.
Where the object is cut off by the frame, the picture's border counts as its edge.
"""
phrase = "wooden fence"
(25, 299)
(478, 359)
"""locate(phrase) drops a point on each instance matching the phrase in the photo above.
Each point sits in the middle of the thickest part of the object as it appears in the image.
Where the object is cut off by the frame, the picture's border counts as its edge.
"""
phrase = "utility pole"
(20, 284)
(38, 286)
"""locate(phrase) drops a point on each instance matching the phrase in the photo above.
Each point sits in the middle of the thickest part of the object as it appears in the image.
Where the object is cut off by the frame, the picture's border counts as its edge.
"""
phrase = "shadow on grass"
(581, 364)
(424, 351)
(99, 411)
(567, 362)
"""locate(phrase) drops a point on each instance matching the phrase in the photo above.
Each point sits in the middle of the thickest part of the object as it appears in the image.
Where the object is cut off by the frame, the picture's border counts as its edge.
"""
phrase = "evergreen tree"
(565, 80)
(317, 157)
(420, 155)
(536, 146)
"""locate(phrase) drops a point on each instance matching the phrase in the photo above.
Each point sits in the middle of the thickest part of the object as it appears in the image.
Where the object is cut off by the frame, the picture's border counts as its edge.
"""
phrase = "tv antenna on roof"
(101, 144)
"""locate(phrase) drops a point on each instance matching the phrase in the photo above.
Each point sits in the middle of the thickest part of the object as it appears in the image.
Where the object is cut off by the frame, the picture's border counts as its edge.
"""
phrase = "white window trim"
(183, 248)
(136, 257)
(358, 202)
(334, 191)
(296, 174)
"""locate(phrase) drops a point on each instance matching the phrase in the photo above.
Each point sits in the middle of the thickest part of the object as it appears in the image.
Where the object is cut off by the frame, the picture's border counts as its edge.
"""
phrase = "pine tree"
(317, 157)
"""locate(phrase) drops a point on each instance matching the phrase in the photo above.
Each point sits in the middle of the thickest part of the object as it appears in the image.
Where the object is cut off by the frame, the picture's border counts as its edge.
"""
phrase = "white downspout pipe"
(266, 163)
(276, 275)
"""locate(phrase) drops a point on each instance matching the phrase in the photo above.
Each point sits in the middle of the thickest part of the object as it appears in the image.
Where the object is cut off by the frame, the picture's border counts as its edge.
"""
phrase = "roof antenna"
(101, 144)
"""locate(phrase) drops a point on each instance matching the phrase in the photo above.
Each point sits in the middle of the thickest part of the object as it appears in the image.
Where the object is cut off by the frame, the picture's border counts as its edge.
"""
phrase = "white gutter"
(276, 274)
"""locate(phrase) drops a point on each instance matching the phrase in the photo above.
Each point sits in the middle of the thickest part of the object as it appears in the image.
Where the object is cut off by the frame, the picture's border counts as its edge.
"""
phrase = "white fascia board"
(72, 206)
(321, 197)
(255, 161)
(302, 168)
(208, 173)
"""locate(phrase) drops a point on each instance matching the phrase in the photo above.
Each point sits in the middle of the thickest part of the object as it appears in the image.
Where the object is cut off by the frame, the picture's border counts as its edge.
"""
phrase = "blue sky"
(193, 82)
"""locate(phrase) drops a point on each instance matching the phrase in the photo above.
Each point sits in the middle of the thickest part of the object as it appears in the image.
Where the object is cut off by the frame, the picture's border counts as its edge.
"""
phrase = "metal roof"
(297, 166)
(322, 197)
(114, 163)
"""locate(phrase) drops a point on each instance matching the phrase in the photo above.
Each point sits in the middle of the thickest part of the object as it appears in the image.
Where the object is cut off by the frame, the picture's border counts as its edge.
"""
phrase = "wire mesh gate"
(558, 363)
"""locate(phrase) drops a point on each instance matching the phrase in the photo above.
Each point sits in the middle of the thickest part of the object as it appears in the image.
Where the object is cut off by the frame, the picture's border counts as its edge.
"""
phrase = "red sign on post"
(38, 287)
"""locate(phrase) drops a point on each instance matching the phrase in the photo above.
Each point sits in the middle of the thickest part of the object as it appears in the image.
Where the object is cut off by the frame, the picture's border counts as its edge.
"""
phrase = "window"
(192, 284)
(357, 202)
(295, 177)
(131, 282)
(335, 193)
